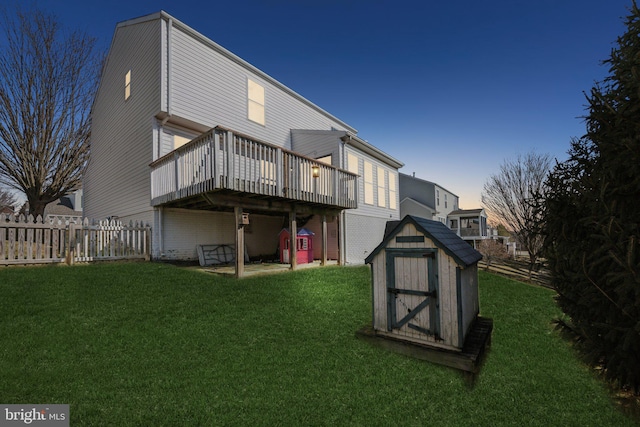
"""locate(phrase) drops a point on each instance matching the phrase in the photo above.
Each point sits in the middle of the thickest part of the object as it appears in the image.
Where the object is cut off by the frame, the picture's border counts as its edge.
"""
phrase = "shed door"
(412, 291)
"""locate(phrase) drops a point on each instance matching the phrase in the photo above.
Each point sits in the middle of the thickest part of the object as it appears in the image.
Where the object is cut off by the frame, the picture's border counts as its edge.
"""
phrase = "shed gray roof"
(441, 235)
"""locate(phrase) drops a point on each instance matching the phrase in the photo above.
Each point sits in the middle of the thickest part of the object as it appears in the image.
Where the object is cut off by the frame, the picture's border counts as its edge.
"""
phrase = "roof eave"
(361, 144)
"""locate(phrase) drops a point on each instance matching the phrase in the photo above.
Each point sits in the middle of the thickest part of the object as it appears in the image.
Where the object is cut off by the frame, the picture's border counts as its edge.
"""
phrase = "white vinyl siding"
(177, 77)
(317, 143)
(364, 233)
(211, 89)
(185, 229)
(117, 181)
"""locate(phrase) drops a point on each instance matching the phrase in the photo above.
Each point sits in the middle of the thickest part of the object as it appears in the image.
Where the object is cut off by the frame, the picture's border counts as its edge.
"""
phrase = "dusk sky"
(449, 88)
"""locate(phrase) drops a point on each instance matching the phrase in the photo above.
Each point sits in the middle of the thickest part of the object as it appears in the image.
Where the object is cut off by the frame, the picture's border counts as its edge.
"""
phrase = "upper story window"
(382, 200)
(368, 183)
(179, 141)
(437, 197)
(325, 159)
(392, 191)
(127, 85)
(352, 163)
(445, 200)
(255, 102)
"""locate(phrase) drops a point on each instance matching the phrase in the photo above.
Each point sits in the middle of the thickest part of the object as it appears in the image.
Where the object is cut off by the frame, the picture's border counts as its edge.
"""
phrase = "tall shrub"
(593, 220)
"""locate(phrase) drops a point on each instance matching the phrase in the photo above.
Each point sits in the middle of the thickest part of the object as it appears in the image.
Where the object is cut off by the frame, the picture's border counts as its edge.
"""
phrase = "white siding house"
(188, 136)
(425, 199)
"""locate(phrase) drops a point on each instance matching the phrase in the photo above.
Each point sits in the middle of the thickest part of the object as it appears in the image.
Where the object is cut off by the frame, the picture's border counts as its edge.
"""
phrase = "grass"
(152, 344)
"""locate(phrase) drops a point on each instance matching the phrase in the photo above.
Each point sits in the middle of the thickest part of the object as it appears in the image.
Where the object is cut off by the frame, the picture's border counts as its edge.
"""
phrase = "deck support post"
(341, 251)
(323, 259)
(293, 242)
(239, 242)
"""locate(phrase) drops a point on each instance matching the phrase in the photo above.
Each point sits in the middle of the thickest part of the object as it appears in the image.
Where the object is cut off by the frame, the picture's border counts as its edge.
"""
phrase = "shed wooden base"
(468, 360)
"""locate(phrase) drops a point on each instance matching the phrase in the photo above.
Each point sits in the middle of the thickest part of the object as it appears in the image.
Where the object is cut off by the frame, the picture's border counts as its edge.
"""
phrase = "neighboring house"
(425, 199)
(429, 200)
(66, 209)
(198, 142)
(7, 210)
(470, 224)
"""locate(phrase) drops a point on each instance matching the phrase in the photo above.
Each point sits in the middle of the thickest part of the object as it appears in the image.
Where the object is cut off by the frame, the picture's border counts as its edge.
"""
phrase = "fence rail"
(36, 241)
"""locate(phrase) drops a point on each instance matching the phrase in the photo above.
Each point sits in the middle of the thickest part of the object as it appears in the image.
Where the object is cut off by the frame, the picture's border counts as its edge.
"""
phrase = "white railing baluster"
(222, 159)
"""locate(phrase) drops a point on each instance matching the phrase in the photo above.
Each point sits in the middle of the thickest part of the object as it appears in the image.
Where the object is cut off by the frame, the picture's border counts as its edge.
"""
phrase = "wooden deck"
(469, 360)
(222, 162)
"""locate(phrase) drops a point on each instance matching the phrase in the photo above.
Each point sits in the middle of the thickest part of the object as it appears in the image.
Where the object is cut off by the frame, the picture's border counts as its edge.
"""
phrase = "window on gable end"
(127, 85)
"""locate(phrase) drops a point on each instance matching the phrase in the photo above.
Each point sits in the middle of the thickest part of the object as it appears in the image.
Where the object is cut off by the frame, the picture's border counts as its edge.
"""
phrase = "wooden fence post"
(72, 243)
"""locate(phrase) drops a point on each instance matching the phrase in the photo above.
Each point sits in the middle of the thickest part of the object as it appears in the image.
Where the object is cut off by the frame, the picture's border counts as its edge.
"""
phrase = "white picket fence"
(36, 241)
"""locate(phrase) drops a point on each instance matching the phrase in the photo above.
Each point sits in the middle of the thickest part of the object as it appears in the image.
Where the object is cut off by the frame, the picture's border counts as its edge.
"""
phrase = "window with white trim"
(352, 163)
(368, 183)
(325, 159)
(127, 85)
(392, 191)
(255, 102)
(179, 141)
(382, 190)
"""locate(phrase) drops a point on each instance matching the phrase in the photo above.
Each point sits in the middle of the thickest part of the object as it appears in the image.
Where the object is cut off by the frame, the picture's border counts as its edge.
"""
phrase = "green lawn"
(151, 344)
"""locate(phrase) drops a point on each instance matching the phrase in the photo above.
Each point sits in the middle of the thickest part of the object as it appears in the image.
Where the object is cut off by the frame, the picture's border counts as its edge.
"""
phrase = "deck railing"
(469, 232)
(224, 160)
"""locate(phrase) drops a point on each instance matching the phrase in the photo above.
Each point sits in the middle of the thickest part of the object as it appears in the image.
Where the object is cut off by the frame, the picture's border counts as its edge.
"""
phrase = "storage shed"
(425, 289)
(304, 246)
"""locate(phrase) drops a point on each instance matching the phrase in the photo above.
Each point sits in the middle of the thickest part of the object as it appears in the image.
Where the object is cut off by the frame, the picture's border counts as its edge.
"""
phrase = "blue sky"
(449, 88)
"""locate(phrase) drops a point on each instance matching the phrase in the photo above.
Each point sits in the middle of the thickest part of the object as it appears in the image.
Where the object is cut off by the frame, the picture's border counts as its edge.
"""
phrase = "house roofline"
(419, 203)
(361, 144)
(352, 139)
(429, 182)
(467, 211)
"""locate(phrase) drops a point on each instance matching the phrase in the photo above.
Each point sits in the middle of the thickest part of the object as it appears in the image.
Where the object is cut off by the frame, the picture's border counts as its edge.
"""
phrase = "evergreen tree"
(592, 220)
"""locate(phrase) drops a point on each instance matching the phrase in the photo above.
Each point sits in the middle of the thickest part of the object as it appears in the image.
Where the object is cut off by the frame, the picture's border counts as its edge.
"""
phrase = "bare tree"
(492, 250)
(514, 199)
(48, 80)
(7, 199)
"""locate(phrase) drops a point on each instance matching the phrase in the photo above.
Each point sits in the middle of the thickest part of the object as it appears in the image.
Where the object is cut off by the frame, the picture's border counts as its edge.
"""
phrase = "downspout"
(160, 210)
(343, 215)
(169, 68)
